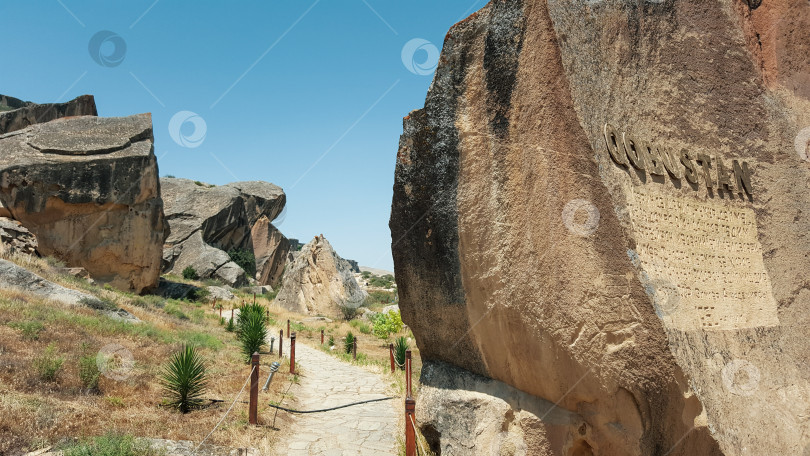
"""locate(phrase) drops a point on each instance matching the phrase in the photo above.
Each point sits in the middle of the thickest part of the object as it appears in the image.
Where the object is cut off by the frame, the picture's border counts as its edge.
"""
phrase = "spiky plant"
(229, 327)
(184, 379)
(400, 347)
(348, 344)
(245, 314)
(252, 334)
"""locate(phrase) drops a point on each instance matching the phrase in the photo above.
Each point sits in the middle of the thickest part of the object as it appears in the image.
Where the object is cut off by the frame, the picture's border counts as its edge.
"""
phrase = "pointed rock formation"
(635, 289)
(87, 188)
(319, 282)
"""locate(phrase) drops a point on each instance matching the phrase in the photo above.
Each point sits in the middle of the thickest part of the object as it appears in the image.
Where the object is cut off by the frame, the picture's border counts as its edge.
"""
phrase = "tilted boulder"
(599, 230)
(209, 221)
(87, 188)
(15, 238)
(319, 282)
(24, 113)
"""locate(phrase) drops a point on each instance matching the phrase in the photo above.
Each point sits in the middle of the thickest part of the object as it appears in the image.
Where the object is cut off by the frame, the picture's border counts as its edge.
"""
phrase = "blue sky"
(306, 94)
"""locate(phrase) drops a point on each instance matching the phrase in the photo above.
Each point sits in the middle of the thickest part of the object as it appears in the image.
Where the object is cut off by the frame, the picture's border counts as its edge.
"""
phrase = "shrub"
(88, 369)
(245, 259)
(184, 379)
(190, 274)
(48, 364)
(331, 340)
(112, 444)
(387, 323)
(400, 347)
(229, 327)
(253, 335)
(348, 344)
(349, 312)
(361, 326)
(30, 329)
(245, 312)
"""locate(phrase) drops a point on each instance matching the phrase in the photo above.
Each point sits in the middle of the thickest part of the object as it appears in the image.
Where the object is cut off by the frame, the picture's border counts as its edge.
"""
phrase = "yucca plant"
(400, 347)
(252, 334)
(229, 327)
(245, 312)
(348, 344)
(184, 379)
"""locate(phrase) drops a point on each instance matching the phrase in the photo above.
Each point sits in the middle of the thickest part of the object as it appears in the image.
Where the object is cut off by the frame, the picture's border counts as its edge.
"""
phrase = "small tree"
(349, 312)
(348, 345)
(190, 274)
(184, 379)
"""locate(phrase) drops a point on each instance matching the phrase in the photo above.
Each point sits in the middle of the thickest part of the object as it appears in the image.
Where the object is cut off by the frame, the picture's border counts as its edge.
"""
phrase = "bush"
(112, 444)
(48, 364)
(252, 335)
(387, 323)
(245, 311)
(229, 327)
(331, 340)
(88, 369)
(348, 344)
(184, 379)
(30, 329)
(245, 259)
(349, 312)
(190, 274)
(361, 326)
(400, 347)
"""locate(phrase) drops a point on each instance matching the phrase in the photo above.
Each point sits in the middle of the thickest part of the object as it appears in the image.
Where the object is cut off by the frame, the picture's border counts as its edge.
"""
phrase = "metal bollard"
(292, 353)
(254, 389)
(272, 342)
(280, 343)
(410, 430)
(273, 369)
(391, 352)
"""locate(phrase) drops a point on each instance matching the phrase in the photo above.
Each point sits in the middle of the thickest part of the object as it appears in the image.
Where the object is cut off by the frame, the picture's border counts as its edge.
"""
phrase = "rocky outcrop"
(319, 282)
(24, 113)
(15, 238)
(656, 296)
(87, 188)
(209, 221)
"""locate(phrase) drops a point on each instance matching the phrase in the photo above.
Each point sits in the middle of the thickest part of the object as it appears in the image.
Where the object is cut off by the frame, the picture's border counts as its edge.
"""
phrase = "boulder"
(393, 308)
(648, 276)
(209, 221)
(87, 188)
(16, 114)
(319, 282)
(220, 293)
(15, 238)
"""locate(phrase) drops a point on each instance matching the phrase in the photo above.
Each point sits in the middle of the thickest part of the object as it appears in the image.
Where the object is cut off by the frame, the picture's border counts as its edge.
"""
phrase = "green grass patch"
(29, 329)
(112, 444)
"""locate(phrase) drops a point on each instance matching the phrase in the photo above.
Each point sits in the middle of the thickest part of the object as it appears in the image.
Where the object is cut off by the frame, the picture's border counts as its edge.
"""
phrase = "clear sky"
(306, 94)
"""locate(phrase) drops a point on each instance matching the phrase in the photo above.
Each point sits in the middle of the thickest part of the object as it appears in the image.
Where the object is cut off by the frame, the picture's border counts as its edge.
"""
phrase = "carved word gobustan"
(626, 150)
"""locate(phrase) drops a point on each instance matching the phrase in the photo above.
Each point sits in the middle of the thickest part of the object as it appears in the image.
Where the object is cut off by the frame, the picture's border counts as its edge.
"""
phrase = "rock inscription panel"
(702, 260)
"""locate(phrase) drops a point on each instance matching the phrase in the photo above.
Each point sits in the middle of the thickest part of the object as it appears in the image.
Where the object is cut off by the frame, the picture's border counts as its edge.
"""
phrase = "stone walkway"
(367, 429)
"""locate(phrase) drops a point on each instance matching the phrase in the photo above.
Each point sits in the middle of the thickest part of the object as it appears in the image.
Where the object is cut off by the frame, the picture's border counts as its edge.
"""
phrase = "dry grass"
(35, 414)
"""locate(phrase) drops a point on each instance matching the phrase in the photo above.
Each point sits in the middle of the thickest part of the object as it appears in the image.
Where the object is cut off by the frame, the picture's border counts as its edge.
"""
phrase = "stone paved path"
(367, 429)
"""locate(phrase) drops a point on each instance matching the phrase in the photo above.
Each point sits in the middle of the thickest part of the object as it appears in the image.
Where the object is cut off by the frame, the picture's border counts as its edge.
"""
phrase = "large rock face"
(656, 297)
(22, 114)
(207, 222)
(319, 282)
(87, 188)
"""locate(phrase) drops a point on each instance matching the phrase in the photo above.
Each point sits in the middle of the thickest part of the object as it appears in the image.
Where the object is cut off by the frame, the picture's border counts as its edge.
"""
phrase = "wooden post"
(214, 305)
(254, 298)
(391, 352)
(254, 389)
(292, 353)
(288, 328)
(408, 373)
(354, 349)
(280, 343)
(322, 337)
(231, 314)
(410, 430)
(220, 311)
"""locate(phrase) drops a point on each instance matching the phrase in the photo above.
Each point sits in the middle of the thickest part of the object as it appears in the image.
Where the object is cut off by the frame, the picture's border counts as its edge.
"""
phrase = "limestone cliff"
(318, 281)
(599, 229)
(87, 188)
(16, 114)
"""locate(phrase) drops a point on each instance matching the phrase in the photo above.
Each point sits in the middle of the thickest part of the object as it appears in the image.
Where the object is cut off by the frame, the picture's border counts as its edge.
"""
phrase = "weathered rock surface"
(661, 314)
(220, 293)
(319, 281)
(15, 238)
(207, 222)
(25, 113)
(87, 188)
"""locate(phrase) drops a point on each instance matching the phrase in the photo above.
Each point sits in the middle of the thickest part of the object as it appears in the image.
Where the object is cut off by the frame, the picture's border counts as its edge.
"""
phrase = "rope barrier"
(227, 412)
(416, 437)
(332, 408)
